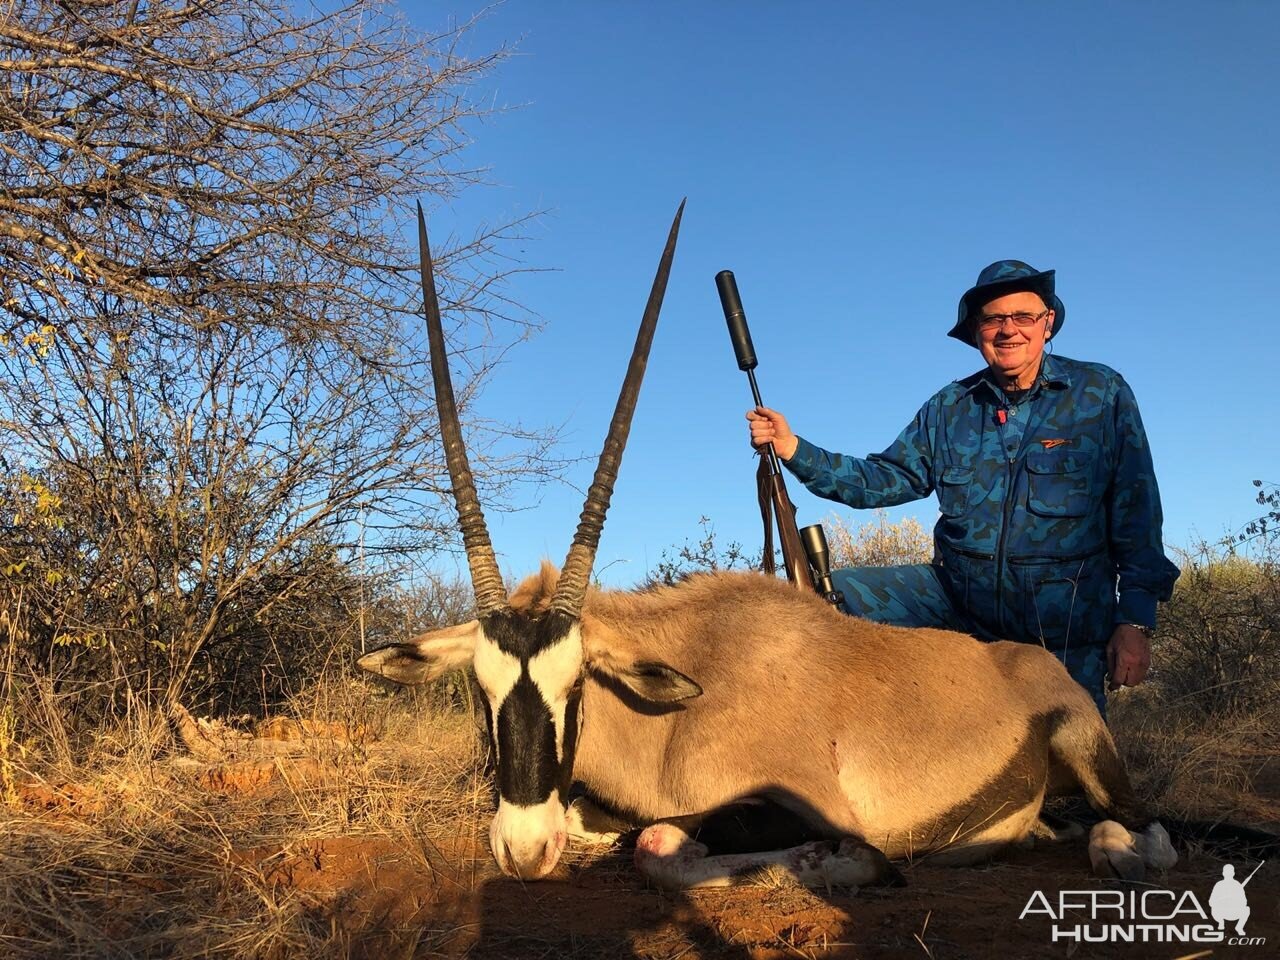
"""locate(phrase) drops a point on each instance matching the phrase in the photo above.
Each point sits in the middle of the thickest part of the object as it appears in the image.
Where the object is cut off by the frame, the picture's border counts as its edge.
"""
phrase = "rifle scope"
(814, 539)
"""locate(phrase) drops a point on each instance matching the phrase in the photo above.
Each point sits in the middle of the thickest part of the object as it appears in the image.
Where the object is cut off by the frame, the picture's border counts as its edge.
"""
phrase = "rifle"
(804, 552)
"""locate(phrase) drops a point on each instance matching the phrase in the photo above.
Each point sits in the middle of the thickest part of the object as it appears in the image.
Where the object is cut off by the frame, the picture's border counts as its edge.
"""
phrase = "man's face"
(1013, 351)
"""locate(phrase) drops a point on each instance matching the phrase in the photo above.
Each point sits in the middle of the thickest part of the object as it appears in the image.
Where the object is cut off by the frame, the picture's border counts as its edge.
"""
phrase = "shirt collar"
(1053, 373)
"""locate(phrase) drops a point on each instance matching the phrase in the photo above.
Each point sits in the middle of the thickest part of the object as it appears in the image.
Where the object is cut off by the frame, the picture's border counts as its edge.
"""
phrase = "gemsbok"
(746, 722)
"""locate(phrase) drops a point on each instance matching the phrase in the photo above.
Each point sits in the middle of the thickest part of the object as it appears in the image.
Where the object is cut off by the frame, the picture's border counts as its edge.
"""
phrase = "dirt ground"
(424, 885)
(447, 899)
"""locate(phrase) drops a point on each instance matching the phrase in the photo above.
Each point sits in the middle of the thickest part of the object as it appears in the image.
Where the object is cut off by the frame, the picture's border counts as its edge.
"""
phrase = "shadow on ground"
(441, 902)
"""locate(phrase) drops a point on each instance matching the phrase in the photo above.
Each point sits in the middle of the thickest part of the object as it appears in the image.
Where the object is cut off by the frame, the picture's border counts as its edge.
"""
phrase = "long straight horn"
(572, 588)
(485, 577)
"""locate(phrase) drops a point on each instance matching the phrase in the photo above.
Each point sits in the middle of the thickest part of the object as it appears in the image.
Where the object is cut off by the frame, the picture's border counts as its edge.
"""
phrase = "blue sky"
(856, 164)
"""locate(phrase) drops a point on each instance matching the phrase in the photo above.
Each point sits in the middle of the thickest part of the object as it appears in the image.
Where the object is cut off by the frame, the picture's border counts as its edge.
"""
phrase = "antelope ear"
(425, 657)
(653, 682)
(609, 652)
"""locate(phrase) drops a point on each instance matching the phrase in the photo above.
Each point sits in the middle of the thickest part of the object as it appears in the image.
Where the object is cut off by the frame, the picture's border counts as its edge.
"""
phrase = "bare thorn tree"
(210, 361)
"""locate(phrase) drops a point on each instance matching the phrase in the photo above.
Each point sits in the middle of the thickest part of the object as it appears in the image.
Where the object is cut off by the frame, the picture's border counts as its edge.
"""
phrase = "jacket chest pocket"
(1060, 484)
(955, 491)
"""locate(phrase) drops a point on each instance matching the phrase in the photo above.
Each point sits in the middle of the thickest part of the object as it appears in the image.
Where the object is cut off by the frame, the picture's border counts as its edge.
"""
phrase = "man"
(1050, 517)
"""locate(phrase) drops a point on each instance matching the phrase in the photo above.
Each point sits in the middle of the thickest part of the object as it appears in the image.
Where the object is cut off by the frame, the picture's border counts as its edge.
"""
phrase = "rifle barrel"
(1250, 876)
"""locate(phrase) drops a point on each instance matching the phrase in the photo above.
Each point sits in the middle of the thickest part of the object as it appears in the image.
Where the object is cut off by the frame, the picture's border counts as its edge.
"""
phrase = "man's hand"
(1128, 656)
(769, 426)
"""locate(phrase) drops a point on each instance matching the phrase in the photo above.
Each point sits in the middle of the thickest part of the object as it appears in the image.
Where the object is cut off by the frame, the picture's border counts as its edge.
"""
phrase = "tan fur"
(881, 732)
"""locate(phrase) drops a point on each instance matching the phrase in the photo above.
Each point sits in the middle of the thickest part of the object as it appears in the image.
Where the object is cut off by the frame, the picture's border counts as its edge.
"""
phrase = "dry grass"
(129, 854)
(1184, 766)
(877, 542)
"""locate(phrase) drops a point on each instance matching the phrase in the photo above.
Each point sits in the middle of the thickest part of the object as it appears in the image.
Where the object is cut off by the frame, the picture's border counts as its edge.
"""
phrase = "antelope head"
(530, 663)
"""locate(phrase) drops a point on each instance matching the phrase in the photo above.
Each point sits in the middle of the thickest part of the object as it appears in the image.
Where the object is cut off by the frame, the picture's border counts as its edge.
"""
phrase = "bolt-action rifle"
(804, 552)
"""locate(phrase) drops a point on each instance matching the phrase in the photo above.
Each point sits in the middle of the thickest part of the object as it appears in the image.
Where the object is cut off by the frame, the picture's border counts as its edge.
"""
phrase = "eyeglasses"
(994, 321)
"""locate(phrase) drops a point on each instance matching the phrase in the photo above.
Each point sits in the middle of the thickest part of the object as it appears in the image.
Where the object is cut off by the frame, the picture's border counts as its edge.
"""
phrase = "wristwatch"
(1147, 632)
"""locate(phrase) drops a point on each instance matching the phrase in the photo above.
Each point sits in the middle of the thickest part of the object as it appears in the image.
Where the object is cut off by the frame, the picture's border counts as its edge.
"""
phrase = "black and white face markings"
(531, 673)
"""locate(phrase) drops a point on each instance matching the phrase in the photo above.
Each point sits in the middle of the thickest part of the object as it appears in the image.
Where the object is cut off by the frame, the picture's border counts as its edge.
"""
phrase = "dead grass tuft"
(142, 849)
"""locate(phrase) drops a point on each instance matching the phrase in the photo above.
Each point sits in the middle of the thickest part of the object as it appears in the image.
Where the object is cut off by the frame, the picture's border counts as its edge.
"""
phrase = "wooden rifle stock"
(774, 499)
(769, 484)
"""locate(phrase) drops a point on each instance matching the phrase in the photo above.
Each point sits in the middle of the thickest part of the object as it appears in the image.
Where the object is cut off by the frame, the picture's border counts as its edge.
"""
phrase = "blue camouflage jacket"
(1050, 525)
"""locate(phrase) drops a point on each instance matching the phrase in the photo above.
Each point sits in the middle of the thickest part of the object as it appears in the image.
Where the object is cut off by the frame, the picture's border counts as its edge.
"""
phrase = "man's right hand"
(769, 426)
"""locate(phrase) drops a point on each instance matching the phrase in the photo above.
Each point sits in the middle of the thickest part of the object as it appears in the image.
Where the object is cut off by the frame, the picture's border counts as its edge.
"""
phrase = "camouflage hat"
(1007, 276)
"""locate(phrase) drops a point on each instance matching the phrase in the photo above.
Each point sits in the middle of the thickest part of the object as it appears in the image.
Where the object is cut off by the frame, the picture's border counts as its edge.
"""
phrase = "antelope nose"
(529, 862)
(527, 839)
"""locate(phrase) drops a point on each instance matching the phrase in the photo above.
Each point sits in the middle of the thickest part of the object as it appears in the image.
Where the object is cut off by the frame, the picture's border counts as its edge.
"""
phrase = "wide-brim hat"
(1007, 276)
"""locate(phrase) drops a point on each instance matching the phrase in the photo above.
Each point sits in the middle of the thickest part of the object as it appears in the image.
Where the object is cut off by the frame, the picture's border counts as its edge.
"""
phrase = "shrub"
(1217, 652)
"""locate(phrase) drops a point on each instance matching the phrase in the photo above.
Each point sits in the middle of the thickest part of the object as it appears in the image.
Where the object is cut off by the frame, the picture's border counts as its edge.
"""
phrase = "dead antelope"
(749, 723)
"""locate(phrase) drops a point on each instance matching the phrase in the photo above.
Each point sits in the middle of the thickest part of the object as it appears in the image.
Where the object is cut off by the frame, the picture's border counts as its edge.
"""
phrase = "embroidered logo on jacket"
(1050, 444)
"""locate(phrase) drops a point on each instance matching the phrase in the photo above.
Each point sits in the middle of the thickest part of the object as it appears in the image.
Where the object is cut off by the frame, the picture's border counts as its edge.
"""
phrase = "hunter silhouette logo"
(1228, 900)
(1147, 916)
(1056, 442)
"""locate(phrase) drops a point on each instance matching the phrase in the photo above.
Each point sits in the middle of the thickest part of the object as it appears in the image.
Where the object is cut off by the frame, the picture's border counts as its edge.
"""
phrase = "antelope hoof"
(1115, 852)
(1157, 850)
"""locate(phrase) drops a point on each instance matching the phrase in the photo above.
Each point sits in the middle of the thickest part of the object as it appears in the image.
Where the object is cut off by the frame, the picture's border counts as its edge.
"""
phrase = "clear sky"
(856, 164)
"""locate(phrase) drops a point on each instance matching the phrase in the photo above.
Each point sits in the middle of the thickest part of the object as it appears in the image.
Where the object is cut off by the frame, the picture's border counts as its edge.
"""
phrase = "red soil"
(447, 899)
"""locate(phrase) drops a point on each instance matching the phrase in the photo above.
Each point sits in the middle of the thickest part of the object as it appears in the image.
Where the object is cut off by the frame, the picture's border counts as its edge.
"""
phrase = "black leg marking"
(749, 826)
